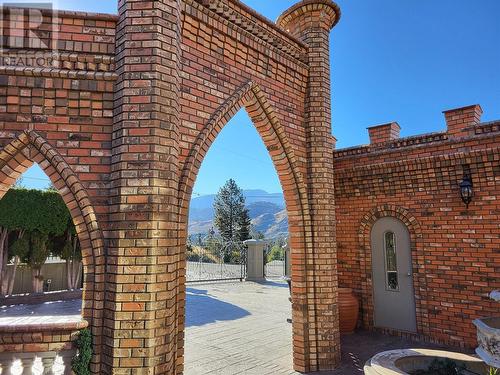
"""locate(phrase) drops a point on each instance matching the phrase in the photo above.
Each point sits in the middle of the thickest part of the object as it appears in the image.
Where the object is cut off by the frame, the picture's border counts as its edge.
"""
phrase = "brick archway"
(251, 97)
(132, 103)
(418, 262)
(19, 155)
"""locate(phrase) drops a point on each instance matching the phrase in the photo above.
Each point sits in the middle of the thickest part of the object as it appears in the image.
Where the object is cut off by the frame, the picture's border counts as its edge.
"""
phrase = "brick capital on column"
(309, 14)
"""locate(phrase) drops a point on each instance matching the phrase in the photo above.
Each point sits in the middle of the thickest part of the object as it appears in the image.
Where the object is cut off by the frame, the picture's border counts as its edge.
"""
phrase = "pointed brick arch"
(19, 155)
(418, 256)
(254, 101)
(252, 98)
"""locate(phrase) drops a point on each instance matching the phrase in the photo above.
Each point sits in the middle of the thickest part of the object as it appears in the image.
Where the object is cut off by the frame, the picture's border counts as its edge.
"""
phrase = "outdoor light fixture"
(466, 191)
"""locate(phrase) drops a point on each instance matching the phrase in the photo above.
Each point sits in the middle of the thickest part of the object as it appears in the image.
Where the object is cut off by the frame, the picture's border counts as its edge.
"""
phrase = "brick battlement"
(391, 145)
(384, 138)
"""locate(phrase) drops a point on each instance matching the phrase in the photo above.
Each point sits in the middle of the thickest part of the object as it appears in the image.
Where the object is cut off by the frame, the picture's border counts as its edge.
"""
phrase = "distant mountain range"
(267, 212)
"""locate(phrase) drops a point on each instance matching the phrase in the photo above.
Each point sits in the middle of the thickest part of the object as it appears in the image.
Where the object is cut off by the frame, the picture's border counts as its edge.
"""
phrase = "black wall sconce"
(466, 189)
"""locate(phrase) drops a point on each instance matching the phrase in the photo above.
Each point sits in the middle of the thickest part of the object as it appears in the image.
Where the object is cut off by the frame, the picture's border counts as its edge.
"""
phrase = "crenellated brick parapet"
(461, 121)
(385, 138)
(384, 133)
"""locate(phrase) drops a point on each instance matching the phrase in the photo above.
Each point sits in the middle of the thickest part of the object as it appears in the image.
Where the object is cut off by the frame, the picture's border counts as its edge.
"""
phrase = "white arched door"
(393, 293)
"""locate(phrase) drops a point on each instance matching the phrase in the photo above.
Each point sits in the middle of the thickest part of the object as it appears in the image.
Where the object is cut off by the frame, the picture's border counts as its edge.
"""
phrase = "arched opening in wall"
(47, 215)
(238, 312)
(41, 256)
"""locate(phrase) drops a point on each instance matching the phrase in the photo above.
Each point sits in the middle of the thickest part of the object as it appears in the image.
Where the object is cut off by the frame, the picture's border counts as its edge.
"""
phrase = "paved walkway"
(241, 328)
(238, 328)
(231, 328)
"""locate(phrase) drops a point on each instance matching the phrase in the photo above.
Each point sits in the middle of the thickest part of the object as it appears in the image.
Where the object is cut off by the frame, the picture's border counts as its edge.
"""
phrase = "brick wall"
(454, 249)
(120, 112)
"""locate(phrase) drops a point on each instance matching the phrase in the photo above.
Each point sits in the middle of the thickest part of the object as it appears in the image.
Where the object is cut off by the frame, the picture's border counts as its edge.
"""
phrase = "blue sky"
(392, 60)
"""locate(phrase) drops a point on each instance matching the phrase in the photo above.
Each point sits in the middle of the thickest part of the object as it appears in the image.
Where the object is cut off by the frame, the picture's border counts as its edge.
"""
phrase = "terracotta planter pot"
(348, 310)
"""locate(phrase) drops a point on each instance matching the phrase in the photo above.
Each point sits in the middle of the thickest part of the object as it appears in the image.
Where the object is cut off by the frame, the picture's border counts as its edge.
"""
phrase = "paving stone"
(243, 330)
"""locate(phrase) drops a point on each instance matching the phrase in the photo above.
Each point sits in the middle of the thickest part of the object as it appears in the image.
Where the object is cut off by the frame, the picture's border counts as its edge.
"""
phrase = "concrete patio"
(241, 328)
(238, 328)
(231, 328)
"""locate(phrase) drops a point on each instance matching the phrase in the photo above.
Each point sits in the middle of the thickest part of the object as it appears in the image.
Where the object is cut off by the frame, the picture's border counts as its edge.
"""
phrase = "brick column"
(311, 22)
(143, 251)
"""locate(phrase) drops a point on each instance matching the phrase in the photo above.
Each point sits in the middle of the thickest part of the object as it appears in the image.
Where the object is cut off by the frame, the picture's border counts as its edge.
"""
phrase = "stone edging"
(44, 327)
(30, 299)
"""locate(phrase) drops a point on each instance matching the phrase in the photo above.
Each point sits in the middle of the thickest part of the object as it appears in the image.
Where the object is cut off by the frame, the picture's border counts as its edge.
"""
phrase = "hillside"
(266, 210)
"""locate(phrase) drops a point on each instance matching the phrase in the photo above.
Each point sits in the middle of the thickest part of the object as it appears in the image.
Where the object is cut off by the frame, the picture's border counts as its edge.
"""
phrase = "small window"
(391, 266)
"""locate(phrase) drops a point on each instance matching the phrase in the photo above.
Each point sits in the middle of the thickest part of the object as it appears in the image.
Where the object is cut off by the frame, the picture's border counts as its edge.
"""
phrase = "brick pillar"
(255, 260)
(384, 133)
(143, 251)
(460, 122)
(311, 21)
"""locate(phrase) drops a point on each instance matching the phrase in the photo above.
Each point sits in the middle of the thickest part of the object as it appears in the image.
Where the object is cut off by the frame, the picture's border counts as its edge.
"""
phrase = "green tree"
(244, 225)
(67, 247)
(29, 219)
(276, 253)
(37, 255)
(18, 248)
(230, 215)
(81, 362)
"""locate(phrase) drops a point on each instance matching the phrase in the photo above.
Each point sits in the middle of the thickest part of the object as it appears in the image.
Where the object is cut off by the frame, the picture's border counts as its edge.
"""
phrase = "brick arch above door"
(418, 262)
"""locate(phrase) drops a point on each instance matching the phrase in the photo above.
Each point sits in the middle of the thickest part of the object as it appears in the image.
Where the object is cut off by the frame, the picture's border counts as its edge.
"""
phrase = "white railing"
(48, 363)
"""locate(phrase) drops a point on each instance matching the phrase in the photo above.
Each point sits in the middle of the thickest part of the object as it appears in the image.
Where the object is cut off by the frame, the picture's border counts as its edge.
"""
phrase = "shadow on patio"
(202, 308)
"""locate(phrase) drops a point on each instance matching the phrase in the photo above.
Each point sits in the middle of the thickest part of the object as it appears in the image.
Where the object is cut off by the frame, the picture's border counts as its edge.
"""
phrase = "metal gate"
(274, 264)
(212, 259)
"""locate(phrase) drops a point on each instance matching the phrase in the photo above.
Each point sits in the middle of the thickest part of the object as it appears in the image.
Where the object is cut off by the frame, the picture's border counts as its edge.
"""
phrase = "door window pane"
(391, 266)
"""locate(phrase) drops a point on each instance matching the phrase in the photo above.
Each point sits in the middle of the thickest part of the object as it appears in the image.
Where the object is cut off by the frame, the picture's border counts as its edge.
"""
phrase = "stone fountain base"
(407, 361)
